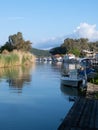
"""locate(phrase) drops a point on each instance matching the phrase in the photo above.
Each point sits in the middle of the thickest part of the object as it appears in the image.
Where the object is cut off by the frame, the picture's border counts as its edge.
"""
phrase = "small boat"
(86, 62)
(90, 71)
(74, 79)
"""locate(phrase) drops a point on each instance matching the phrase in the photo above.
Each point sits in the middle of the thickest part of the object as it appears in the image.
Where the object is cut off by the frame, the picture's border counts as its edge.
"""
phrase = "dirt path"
(92, 89)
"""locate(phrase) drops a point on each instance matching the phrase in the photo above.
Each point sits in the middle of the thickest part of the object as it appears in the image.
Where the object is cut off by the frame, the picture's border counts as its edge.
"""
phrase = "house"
(96, 56)
(89, 54)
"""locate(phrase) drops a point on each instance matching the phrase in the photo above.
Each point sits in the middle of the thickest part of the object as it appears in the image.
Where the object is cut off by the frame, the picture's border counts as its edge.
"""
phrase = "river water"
(32, 97)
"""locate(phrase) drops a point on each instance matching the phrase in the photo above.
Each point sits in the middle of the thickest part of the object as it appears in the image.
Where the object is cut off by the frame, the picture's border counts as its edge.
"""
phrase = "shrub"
(16, 58)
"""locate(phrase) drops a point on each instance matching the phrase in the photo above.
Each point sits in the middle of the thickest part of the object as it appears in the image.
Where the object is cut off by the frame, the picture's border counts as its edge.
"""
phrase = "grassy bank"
(16, 58)
(95, 80)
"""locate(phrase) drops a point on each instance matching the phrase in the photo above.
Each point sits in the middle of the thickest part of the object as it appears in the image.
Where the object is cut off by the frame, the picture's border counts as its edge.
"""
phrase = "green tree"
(58, 50)
(75, 51)
(16, 41)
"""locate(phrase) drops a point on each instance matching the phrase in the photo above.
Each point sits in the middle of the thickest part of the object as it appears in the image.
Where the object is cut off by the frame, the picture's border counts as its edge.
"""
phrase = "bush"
(16, 58)
(94, 80)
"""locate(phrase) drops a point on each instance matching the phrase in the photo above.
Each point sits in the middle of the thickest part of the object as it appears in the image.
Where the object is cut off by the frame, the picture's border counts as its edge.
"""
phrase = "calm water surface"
(32, 97)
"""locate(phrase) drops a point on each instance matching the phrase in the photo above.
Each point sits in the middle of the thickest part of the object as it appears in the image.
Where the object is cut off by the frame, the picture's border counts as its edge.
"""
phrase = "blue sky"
(45, 21)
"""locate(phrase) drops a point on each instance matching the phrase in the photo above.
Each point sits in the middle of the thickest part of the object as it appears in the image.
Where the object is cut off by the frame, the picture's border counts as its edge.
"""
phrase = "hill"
(40, 53)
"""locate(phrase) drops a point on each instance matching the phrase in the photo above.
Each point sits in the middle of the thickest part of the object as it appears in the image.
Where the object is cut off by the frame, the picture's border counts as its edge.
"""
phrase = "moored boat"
(73, 78)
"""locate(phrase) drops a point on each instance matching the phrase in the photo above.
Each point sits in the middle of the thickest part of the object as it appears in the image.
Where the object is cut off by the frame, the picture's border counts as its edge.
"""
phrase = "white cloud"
(49, 43)
(84, 30)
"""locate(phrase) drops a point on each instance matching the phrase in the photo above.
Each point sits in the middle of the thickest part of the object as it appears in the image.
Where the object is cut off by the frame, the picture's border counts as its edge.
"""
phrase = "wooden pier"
(82, 116)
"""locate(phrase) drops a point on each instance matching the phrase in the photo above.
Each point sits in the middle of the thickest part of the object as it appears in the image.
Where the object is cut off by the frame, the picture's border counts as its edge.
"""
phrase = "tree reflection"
(17, 76)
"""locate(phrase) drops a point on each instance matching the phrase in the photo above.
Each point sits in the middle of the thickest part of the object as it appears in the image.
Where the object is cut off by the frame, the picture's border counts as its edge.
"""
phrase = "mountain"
(40, 53)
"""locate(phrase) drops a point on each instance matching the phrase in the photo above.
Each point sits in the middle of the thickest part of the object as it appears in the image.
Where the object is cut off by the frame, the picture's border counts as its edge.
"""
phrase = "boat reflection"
(71, 92)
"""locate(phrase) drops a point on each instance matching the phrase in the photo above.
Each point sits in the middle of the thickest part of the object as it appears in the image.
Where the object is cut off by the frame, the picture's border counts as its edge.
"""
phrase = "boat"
(73, 78)
(87, 64)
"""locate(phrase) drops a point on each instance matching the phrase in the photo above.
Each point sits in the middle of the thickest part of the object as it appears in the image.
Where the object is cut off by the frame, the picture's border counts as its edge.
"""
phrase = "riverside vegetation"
(16, 51)
(75, 46)
(15, 58)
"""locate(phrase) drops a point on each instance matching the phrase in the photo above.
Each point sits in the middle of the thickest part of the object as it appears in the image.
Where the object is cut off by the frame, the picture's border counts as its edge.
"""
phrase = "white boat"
(73, 79)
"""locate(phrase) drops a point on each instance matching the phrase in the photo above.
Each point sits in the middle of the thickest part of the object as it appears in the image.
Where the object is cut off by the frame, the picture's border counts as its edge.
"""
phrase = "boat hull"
(71, 82)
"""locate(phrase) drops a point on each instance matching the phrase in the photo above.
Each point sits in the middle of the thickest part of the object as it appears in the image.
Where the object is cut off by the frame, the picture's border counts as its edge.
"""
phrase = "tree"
(76, 46)
(58, 50)
(16, 41)
(75, 51)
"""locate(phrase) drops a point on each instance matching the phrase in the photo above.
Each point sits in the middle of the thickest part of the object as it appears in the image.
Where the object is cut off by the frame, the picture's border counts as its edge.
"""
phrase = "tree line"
(75, 46)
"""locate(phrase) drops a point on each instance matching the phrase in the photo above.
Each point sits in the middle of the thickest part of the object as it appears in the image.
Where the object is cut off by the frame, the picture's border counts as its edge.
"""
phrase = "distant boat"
(49, 59)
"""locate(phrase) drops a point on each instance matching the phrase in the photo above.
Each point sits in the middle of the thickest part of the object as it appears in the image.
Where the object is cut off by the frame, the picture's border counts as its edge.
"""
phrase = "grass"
(94, 80)
(96, 95)
(16, 58)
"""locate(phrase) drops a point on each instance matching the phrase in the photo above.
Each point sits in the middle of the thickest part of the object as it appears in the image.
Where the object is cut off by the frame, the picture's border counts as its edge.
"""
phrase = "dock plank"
(82, 116)
(85, 118)
(93, 114)
(69, 115)
(78, 112)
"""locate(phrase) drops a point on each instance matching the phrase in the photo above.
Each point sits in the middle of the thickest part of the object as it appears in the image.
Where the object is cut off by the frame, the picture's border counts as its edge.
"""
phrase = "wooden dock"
(82, 116)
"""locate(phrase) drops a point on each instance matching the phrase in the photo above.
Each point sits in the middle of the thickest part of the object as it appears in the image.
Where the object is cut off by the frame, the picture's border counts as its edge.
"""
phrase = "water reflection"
(72, 92)
(56, 66)
(41, 102)
(16, 77)
(69, 91)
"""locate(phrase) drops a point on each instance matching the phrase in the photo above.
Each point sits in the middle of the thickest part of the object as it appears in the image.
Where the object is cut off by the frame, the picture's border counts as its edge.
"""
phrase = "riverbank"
(92, 91)
(16, 58)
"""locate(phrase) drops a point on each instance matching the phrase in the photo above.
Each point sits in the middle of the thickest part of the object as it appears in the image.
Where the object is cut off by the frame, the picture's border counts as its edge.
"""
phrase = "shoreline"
(92, 90)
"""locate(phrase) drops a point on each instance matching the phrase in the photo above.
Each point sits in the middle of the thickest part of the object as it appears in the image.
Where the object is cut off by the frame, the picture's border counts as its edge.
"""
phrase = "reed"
(16, 58)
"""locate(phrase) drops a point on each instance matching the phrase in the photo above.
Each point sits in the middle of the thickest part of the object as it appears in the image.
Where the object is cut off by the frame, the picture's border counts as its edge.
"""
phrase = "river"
(32, 97)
